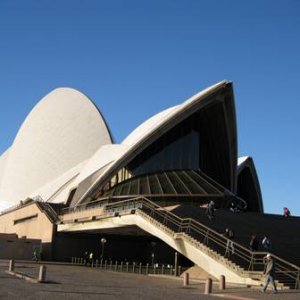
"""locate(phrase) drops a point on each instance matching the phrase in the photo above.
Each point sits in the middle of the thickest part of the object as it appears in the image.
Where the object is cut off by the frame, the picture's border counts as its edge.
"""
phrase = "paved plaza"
(78, 282)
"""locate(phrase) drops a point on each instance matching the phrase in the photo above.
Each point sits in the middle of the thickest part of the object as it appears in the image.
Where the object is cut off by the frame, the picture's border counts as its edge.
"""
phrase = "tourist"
(233, 208)
(85, 258)
(211, 210)
(91, 256)
(253, 243)
(229, 234)
(269, 273)
(266, 243)
(286, 212)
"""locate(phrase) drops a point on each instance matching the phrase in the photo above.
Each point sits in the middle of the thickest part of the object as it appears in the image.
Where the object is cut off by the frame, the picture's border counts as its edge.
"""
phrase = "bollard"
(222, 282)
(42, 274)
(11, 265)
(133, 267)
(186, 279)
(208, 286)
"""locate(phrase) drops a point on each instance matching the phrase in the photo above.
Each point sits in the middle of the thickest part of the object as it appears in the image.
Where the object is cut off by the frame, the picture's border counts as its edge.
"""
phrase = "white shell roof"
(64, 140)
(146, 129)
(64, 129)
(147, 126)
(242, 159)
(3, 159)
(62, 184)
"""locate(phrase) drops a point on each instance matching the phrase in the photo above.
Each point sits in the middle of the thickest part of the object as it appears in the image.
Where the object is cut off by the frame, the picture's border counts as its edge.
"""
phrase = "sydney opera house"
(64, 158)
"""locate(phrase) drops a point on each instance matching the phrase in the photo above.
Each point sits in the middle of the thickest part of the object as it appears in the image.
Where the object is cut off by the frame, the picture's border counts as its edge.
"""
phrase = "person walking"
(286, 212)
(211, 210)
(91, 257)
(253, 243)
(85, 258)
(267, 244)
(269, 273)
(229, 234)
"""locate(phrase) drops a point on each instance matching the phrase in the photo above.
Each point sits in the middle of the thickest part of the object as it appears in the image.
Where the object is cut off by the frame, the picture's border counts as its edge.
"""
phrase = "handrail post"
(297, 280)
(251, 263)
(205, 242)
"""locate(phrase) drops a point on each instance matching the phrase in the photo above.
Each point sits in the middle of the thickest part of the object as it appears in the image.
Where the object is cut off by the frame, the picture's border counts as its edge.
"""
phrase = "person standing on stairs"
(267, 244)
(210, 211)
(229, 234)
(269, 273)
(253, 243)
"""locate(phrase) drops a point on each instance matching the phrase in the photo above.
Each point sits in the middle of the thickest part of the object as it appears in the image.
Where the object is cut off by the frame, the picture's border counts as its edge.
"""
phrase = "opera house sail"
(64, 153)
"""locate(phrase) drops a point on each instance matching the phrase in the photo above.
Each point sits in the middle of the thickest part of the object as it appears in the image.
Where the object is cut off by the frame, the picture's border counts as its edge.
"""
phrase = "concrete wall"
(11, 247)
(30, 222)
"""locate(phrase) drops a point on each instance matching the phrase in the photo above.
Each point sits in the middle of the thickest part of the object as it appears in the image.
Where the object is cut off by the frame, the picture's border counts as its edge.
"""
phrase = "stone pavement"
(78, 282)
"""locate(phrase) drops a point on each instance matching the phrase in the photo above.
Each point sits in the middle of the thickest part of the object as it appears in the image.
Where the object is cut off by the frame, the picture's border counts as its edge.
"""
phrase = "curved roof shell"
(248, 187)
(153, 128)
(64, 129)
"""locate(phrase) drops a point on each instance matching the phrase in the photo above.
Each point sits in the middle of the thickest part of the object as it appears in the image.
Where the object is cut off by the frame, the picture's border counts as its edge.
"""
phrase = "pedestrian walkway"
(76, 282)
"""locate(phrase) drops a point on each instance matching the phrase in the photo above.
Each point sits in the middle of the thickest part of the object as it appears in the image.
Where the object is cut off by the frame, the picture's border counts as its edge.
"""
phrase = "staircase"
(191, 233)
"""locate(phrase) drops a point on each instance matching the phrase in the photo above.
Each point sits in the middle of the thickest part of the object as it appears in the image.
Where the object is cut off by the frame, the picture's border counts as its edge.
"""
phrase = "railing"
(92, 204)
(243, 258)
(48, 209)
(130, 267)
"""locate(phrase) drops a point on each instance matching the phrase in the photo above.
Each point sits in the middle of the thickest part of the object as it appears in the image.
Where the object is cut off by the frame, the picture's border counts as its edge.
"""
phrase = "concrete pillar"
(208, 286)
(176, 264)
(222, 282)
(11, 265)
(42, 273)
(186, 279)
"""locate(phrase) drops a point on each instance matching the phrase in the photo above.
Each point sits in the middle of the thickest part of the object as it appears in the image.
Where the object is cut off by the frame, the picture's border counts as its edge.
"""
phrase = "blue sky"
(136, 58)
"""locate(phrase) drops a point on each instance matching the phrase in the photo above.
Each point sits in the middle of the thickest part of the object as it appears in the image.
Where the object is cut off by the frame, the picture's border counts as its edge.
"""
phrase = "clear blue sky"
(136, 58)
